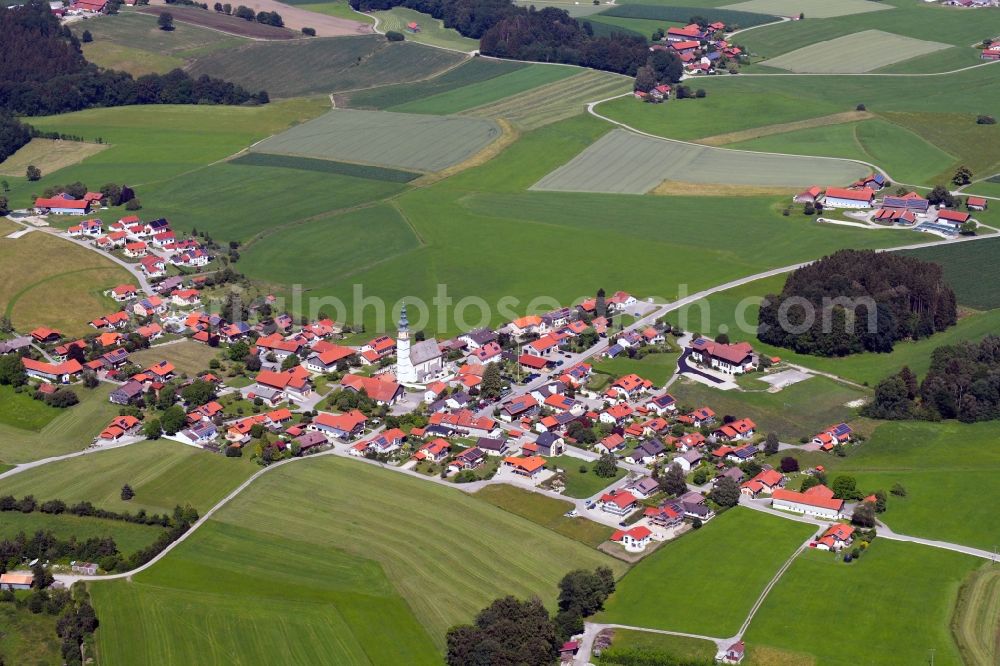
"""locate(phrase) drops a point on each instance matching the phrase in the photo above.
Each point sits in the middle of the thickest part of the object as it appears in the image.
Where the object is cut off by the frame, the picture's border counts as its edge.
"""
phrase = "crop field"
(70, 430)
(962, 269)
(799, 410)
(325, 166)
(678, 588)
(906, 156)
(473, 70)
(604, 25)
(321, 66)
(909, 590)
(188, 356)
(395, 140)
(129, 537)
(623, 162)
(432, 30)
(301, 253)
(813, 9)
(557, 101)
(427, 558)
(162, 473)
(976, 622)
(575, 8)
(489, 91)
(49, 155)
(545, 511)
(40, 283)
(682, 15)
(861, 52)
(224, 23)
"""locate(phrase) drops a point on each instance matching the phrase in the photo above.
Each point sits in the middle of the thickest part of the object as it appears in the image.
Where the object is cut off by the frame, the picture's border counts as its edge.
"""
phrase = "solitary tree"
(726, 492)
(864, 515)
(606, 466)
(673, 481)
(165, 21)
(771, 443)
(600, 305)
(86, 37)
(492, 383)
(789, 464)
(963, 176)
(33, 173)
(127, 492)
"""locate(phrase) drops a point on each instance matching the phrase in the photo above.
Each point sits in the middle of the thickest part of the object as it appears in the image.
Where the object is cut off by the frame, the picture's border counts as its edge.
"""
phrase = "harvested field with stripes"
(383, 138)
(976, 622)
(558, 101)
(861, 52)
(811, 8)
(623, 162)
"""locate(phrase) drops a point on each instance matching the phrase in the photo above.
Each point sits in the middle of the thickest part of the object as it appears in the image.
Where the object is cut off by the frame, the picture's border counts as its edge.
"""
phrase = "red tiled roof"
(864, 194)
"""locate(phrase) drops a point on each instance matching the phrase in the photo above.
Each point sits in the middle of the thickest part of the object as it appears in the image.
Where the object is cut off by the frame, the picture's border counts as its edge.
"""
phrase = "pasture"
(321, 66)
(860, 52)
(575, 8)
(976, 622)
(307, 603)
(382, 138)
(813, 9)
(49, 155)
(908, 590)
(162, 473)
(679, 588)
(22, 411)
(962, 269)
(71, 429)
(682, 15)
(129, 537)
(431, 30)
(799, 410)
(189, 357)
(624, 162)
(546, 511)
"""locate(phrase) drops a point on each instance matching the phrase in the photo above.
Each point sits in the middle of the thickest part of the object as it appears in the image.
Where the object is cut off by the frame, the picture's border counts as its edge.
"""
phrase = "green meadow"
(431, 31)
(546, 511)
(706, 582)
(963, 269)
(657, 368)
(129, 537)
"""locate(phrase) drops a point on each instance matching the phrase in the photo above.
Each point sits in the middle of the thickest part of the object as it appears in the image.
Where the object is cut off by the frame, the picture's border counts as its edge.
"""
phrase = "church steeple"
(404, 323)
(405, 372)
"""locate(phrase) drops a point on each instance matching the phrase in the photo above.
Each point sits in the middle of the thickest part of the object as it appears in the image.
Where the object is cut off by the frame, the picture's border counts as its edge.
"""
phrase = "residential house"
(129, 392)
(731, 359)
(666, 516)
(119, 427)
(492, 446)
(910, 201)
(643, 487)
(339, 426)
(613, 443)
(766, 482)
(530, 467)
(616, 414)
(199, 434)
(733, 654)
(471, 458)
(465, 422)
(550, 444)
(153, 266)
(646, 453)
(519, 407)
(634, 539)
(689, 460)
(662, 404)
(123, 292)
(810, 195)
(435, 450)
(279, 346)
(381, 389)
(386, 442)
(488, 353)
(618, 502)
(478, 338)
(628, 387)
(45, 335)
(838, 536)
(328, 359)
(54, 373)
(271, 386)
(523, 326)
(832, 436)
(736, 430)
(185, 297)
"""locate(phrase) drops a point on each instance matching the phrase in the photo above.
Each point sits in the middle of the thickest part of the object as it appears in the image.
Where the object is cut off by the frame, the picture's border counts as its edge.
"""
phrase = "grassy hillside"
(963, 270)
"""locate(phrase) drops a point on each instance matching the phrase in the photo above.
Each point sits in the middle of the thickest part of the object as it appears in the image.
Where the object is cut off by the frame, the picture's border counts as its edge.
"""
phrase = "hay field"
(623, 162)
(383, 138)
(49, 155)
(432, 30)
(811, 8)
(861, 52)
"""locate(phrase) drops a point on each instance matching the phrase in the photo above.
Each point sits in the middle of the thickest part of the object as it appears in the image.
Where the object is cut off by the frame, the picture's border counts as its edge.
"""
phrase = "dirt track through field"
(297, 18)
(781, 128)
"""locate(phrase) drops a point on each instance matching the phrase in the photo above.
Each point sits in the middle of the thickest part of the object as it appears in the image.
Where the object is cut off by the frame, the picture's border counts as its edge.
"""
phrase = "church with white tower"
(416, 364)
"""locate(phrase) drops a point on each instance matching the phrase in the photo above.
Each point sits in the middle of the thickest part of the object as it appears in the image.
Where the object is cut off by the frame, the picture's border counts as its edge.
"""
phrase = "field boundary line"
(842, 118)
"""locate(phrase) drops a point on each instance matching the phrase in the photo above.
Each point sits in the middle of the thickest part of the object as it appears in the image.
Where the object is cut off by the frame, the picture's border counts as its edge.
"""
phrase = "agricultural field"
(679, 588)
(72, 429)
(682, 15)
(40, 283)
(381, 138)
(545, 511)
(162, 473)
(960, 263)
(556, 101)
(322, 66)
(189, 357)
(908, 590)
(624, 162)
(325, 166)
(49, 155)
(22, 411)
(605, 25)
(811, 8)
(431, 32)
(861, 52)
(580, 479)
(657, 368)
(336, 8)
(224, 23)
(976, 146)
(489, 91)
(575, 8)
(989, 188)
(976, 622)
(799, 410)
(426, 558)
(129, 537)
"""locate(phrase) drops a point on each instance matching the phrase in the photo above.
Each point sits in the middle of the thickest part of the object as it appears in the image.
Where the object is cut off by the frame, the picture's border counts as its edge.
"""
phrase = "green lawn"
(545, 511)
(327, 543)
(22, 411)
(70, 430)
(657, 368)
(707, 581)
(799, 410)
(28, 638)
(162, 473)
(677, 647)
(909, 591)
(130, 537)
(580, 484)
(189, 357)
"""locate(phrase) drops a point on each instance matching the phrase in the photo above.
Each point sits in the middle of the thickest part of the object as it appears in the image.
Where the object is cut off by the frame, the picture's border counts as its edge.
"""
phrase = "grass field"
(28, 638)
(682, 15)
(71, 430)
(129, 537)
(575, 8)
(657, 368)
(908, 590)
(325, 166)
(345, 543)
(432, 30)
(488, 91)
(22, 411)
(607, 25)
(230, 25)
(905, 155)
(580, 484)
(799, 410)
(554, 102)
(677, 647)
(162, 473)
(679, 588)
(960, 264)
(973, 145)
(395, 140)
(545, 511)
(338, 8)
(48, 155)
(629, 163)
(811, 8)
(976, 621)
(188, 356)
(321, 66)
(853, 54)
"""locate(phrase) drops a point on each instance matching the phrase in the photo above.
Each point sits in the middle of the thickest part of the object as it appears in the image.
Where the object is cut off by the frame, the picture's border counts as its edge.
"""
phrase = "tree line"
(43, 71)
(962, 383)
(910, 299)
(76, 623)
(505, 30)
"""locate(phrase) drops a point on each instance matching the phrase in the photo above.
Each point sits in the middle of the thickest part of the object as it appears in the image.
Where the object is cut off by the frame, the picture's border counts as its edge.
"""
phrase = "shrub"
(309, 32)
(394, 36)
(133, 204)
(986, 120)
(861, 107)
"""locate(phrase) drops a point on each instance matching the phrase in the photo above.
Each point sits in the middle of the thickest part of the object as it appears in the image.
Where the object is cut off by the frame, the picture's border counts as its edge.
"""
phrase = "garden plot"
(623, 162)
(854, 54)
(811, 8)
(383, 138)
